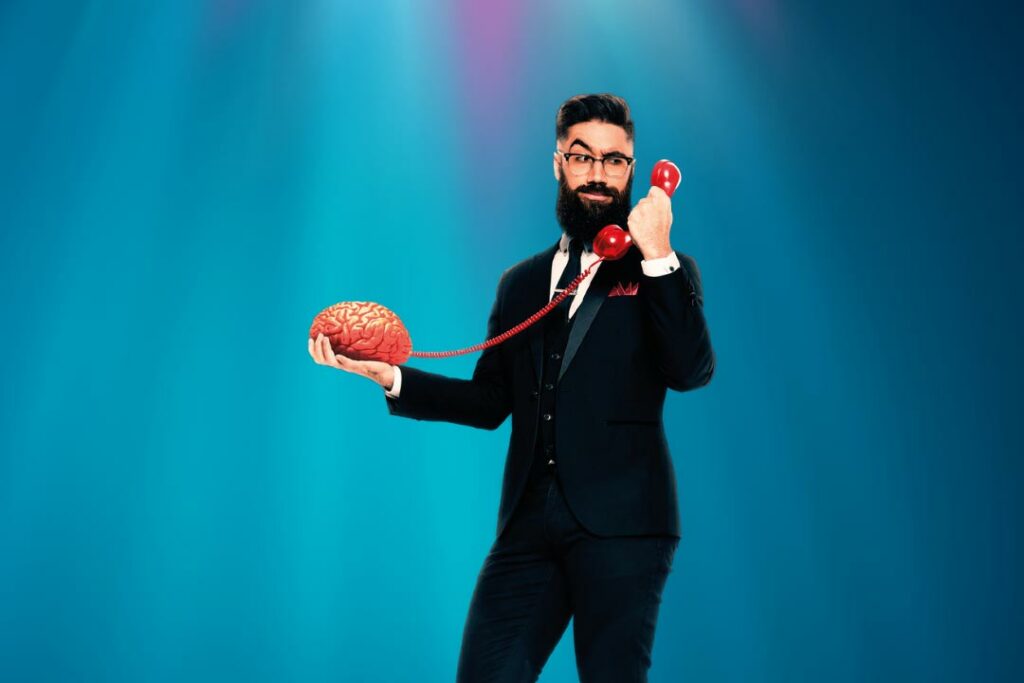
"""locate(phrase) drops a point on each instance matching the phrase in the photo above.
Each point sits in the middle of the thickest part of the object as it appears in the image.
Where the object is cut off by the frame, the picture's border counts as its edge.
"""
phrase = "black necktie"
(572, 270)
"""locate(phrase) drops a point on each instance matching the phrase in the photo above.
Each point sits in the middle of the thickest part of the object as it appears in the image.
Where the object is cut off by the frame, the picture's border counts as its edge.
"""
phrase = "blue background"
(185, 495)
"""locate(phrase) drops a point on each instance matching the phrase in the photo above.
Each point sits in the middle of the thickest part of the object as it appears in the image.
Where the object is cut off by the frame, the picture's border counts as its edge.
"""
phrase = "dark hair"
(602, 107)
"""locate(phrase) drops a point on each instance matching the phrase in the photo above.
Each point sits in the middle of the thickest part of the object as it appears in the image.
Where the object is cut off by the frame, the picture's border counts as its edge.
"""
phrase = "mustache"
(600, 189)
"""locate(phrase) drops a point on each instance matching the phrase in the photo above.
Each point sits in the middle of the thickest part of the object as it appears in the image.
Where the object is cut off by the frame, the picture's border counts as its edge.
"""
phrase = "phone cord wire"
(493, 341)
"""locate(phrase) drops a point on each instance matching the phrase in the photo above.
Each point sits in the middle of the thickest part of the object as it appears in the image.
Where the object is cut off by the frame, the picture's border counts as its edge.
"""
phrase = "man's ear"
(554, 165)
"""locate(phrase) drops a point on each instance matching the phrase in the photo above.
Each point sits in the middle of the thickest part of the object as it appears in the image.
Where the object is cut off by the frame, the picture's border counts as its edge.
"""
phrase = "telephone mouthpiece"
(612, 243)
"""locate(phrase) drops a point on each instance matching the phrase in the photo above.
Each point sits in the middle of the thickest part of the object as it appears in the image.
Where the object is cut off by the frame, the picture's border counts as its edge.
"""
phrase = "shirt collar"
(563, 244)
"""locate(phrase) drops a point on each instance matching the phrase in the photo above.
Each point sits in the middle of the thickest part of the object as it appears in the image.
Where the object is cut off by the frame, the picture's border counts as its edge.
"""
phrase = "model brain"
(364, 330)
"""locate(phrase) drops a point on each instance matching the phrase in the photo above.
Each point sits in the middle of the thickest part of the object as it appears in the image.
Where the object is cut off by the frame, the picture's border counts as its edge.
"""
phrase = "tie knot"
(575, 247)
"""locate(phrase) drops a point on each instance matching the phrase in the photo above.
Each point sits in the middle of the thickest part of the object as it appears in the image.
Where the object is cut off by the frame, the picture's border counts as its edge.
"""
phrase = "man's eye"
(579, 158)
(615, 162)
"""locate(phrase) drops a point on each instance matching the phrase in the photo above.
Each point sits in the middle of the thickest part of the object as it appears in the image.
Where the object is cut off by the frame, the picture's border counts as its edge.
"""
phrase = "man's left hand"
(650, 222)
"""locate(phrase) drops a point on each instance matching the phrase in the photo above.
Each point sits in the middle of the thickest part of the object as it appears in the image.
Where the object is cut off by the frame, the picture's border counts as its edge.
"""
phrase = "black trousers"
(544, 569)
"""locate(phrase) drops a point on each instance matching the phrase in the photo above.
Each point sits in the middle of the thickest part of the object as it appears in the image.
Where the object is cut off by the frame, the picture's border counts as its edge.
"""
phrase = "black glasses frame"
(566, 155)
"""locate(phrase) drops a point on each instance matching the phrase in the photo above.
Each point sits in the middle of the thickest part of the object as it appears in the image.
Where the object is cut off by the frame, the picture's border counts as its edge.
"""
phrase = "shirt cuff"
(656, 267)
(397, 386)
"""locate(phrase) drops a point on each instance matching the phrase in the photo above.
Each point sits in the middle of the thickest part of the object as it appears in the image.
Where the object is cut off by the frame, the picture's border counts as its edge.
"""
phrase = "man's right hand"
(381, 373)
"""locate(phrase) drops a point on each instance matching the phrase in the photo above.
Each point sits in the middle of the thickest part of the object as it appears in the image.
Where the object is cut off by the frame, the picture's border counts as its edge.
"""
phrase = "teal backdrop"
(186, 496)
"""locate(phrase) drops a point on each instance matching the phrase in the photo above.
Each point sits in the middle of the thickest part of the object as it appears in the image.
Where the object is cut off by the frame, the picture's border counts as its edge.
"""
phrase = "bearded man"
(588, 522)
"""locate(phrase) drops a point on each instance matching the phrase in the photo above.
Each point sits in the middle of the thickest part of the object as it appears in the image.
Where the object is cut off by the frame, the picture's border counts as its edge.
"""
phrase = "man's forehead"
(599, 137)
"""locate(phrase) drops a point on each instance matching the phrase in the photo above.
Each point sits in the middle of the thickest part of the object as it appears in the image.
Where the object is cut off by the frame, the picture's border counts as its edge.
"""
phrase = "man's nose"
(596, 174)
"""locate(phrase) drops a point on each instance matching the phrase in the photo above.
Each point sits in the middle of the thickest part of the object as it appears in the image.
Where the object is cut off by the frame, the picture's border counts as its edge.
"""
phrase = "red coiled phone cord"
(518, 328)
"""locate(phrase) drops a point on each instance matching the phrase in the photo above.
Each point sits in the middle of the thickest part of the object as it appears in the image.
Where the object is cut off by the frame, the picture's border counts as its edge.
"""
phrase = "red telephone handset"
(612, 242)
(368, 331)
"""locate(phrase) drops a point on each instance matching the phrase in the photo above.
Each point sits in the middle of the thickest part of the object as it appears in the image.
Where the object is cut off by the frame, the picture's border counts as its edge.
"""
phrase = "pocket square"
(629, 289)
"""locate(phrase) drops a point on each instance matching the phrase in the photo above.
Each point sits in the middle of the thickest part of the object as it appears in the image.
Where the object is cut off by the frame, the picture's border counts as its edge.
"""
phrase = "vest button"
(549, 386)
(534, 394)
(546, 417)
(556, 356)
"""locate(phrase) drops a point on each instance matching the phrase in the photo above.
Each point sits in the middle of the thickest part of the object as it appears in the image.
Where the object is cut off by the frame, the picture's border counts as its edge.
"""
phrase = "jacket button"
(556, 355)
(534, 394)
(546, 417)
(549, 386)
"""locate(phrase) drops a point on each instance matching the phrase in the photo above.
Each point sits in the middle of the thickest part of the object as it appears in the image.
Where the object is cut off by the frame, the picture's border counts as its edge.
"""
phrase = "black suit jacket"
(623, 353)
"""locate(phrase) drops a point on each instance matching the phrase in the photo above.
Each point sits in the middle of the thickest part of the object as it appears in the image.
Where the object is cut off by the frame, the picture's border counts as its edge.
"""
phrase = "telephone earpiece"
(667, 176)
(612, 242)
(368, 331)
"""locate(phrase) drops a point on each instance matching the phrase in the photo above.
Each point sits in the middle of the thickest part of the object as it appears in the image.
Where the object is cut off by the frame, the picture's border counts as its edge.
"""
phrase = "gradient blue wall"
(185, 495)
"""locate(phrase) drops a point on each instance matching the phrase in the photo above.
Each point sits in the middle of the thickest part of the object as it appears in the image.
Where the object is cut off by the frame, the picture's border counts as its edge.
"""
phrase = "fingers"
(660, 206)
(322, 343)
(314, 350)
(321, 351)
(656, 198)
(328, 353)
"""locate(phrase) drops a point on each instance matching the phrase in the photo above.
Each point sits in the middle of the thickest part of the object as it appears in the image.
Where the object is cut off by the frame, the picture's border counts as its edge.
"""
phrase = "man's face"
(592, 200)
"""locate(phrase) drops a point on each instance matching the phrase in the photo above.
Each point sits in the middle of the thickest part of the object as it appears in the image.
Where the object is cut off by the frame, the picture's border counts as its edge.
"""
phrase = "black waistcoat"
(556, 335)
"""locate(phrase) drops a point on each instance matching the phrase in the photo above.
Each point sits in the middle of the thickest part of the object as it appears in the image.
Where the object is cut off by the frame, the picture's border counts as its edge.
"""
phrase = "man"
(588, 522)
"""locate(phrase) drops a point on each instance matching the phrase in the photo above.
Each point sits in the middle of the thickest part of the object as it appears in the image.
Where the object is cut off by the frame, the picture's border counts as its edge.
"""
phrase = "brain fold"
(365, 331)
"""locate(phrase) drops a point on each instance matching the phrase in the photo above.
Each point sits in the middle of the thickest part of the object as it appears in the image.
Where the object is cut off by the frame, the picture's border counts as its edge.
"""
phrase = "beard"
(582, 218)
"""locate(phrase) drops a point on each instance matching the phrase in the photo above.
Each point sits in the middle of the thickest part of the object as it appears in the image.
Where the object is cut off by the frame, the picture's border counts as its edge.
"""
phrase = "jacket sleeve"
(483, 401)
(675, 307)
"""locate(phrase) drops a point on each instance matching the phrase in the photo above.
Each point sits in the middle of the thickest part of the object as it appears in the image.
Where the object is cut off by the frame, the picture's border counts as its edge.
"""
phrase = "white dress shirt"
(652, 268)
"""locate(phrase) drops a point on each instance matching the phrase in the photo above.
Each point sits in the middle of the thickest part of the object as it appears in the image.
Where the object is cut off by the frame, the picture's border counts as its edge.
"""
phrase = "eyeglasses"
(615, 165)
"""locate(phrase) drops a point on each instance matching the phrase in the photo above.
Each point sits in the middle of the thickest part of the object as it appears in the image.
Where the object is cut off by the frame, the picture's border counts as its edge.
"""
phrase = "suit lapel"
(597, 292)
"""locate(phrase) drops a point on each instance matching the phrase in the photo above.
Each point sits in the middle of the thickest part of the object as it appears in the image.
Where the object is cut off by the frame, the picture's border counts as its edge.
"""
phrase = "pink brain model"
(365, 331)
